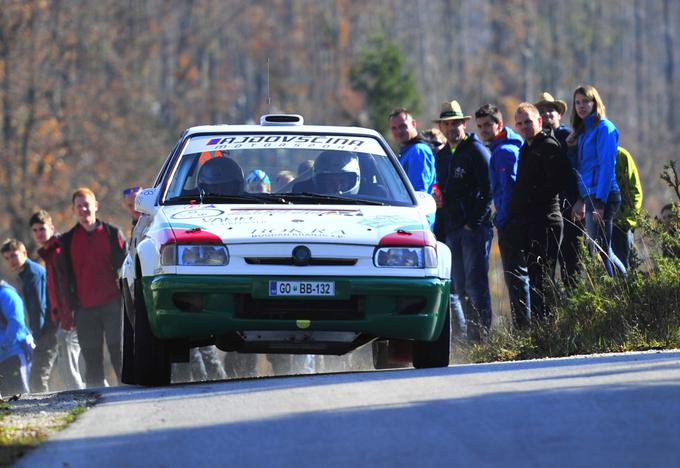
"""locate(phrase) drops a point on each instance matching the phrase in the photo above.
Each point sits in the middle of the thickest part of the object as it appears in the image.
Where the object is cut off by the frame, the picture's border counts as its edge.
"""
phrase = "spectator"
(552, 111)
(600, 197)
(436, 139)
(463, 222)
(16, 343)
(534, 203)
(50, 250)
(129, 195)
(94, 251)
(42, 327)
(282, 179)
(505, 144)
(304, 169)
(257, 181)
(415, 154)
(670, 246)
(204, 364)
(628, 180)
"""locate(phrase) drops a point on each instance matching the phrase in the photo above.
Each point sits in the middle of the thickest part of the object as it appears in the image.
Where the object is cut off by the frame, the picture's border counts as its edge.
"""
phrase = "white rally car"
(282, 238)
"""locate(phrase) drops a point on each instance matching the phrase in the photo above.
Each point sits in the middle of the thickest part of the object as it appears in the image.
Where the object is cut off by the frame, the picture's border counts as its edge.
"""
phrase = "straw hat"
(545, 98)
(451, 111)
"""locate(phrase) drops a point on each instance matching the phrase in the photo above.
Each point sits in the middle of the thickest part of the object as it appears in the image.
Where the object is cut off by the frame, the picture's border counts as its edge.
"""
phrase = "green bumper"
(387, 307)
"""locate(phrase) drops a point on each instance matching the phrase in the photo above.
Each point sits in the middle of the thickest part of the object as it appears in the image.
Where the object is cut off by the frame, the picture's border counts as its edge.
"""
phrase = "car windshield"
(286, 168)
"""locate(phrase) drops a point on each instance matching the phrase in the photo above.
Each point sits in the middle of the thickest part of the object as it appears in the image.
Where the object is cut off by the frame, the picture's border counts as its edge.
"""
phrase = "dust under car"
(325, 249)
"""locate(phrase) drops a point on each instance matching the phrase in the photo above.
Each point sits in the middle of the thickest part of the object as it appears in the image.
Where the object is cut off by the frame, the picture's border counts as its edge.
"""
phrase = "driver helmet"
(257, 181)
(220, 176)
(337, 172)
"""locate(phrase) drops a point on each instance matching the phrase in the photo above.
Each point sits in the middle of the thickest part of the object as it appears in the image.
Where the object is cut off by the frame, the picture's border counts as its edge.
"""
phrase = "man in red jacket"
(94, 252)
(50, 250)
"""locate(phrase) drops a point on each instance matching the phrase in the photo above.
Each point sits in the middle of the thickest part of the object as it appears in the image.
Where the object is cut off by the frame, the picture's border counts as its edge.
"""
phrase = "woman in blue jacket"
(600, 197)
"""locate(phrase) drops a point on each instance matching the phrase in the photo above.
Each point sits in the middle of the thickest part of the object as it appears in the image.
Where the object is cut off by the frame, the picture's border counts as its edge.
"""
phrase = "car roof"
(268, 128)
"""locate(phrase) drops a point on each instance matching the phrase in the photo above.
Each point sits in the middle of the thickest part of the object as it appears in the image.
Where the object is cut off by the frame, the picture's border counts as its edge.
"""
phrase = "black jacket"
(542, 172)
(467, 187)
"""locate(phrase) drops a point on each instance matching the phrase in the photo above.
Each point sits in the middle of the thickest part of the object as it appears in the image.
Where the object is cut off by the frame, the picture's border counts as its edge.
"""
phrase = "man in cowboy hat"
(463, 221)
(415, 154)
(552, 110)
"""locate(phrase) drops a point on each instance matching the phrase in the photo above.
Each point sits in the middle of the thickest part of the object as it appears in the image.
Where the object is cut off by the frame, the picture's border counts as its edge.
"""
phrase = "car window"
(292, 166)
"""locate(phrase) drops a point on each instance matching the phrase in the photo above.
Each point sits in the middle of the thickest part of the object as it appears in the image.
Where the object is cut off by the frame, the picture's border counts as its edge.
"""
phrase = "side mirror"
(426, 203)
(145, 201)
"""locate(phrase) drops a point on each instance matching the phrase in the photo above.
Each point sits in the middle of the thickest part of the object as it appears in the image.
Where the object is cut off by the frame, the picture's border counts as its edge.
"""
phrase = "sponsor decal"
(194, 213)
(297, 232)
(321, 142)
(294, 211)
(384, 221)
(255, 216)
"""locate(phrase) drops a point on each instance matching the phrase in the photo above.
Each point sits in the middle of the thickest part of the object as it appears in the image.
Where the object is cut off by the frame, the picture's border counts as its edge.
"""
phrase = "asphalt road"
(610, 410)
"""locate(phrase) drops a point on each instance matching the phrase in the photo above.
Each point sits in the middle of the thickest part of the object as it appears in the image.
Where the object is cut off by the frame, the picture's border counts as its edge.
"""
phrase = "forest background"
(96, 93)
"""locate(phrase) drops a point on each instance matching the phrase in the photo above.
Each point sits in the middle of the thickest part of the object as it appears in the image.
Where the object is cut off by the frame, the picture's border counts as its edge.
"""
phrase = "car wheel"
(151, 355)
(127, 373)
(435, 353)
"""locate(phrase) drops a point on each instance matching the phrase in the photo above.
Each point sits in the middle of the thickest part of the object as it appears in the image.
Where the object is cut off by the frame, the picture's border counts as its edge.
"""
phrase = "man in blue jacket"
(16, 343)
(415, 154)
(463, 177)
(40, 323)
(504, 144)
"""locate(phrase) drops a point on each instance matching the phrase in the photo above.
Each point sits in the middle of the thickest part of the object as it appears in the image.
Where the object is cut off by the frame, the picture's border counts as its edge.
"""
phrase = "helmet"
(337, 172)
(220, 176)
(257, 181)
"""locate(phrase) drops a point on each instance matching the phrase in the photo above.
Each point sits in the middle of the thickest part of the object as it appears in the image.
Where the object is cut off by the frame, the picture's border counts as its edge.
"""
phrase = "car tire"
(127, 373)
(427, 354)
(151, 355)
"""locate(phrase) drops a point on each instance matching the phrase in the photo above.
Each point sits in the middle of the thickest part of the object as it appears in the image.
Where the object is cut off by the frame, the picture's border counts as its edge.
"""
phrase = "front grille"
(299, 309)
(289, 261)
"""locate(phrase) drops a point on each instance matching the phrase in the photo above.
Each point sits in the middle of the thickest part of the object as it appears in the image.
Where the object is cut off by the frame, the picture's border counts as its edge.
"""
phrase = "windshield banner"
(260, 141)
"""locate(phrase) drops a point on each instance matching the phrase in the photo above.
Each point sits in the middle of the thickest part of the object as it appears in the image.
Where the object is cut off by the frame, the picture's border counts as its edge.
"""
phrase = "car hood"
(364, 225)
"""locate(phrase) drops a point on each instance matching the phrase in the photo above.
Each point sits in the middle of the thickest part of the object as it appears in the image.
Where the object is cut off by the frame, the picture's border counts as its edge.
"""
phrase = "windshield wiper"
(310, 196)
(220, 198)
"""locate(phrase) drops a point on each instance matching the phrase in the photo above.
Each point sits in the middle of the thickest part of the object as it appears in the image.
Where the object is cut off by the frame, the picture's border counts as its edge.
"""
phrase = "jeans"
(93, 325)
(14, 373)
(44, 357)
(570, 250)
(622, 244)
(470, 276)
(541, 254)
(512, 243)
(67, 359)
(600, 235)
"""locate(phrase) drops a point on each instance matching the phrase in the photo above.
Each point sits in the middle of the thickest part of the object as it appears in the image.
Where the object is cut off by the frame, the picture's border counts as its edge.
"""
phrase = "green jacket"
(628, 179)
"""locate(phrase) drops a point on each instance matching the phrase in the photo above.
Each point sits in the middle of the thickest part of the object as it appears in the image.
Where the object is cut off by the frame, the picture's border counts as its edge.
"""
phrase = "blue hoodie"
(34, 292)
(504, 158)
(417, 159)
(596, 162)
(15, 339)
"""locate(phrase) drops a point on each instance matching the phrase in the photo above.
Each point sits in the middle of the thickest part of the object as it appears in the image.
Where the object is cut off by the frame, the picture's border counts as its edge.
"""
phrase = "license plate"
(302, 288)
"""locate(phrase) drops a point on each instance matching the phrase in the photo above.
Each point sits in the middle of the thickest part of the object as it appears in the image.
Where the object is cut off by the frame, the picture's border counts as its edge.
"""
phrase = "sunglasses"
(130, 190)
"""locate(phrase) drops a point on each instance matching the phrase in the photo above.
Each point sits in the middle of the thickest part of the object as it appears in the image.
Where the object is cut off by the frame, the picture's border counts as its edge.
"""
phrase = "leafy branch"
(671, 177)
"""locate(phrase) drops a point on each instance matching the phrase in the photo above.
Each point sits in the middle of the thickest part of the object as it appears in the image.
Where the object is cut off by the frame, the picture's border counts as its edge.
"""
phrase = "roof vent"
(282, 119)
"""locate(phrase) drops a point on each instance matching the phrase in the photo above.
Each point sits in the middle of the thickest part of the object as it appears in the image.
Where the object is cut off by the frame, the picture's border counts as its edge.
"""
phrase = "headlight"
(192, 255)
(405, 257)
